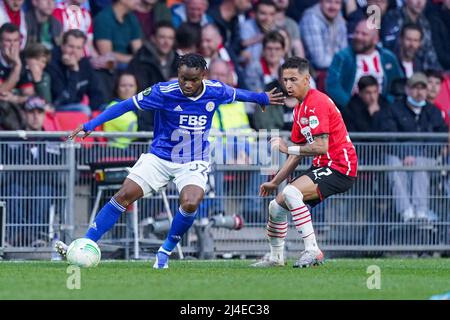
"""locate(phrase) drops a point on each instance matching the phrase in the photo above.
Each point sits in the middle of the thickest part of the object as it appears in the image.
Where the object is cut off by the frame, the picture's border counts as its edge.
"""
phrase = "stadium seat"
(69, 120)
(443, 98)
(51, 123)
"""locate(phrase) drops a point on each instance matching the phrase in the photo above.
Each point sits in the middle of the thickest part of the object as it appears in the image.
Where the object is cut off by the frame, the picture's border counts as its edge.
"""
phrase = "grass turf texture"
(227, 279)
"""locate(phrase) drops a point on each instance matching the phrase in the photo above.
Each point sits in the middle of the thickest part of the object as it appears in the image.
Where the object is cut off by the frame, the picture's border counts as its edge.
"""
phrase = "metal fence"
(53, 188)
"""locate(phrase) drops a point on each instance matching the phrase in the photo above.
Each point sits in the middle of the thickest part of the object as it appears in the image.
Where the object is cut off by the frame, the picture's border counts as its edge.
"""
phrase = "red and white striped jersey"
(74, 17)
(317, 115)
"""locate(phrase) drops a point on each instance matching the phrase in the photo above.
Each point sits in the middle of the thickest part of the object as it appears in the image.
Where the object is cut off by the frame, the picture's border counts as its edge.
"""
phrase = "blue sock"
(180, 224)
(105, 220)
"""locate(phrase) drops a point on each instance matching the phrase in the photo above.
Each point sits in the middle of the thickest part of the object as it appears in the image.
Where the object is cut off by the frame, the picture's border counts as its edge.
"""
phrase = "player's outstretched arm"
(111, 113)
(263, 98)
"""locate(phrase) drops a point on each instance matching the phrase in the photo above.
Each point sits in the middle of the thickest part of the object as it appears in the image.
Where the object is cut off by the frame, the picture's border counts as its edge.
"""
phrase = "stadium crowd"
(71, 52)
(385, 63)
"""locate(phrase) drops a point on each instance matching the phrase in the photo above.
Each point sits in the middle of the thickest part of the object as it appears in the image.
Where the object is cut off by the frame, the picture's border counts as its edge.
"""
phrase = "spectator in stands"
(434, 85)
(413, 114)
(33, 151)
(125, 87)
(212, 48)
(411, 12)
(149, 13)
(253, 30)
(324, 33)
(191, 11)
(72, 15)
(291, 27)
(440, 32)
(410, 43)
(12, 11)
(363, 57)
(117, 31)
(188, 38)
(362, 111)
(231, 149)
(361, 13)
(42, 26)
(155, 62)
(37, 56)
(73, 78)
(15, 86)
(262, 75)
(226, 17)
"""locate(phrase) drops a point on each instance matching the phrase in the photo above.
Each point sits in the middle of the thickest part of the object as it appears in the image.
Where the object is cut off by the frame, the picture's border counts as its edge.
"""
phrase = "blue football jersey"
(182, 124)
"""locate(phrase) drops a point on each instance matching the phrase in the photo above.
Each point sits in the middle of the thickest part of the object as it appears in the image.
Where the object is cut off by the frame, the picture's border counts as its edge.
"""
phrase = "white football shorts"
(152, 173)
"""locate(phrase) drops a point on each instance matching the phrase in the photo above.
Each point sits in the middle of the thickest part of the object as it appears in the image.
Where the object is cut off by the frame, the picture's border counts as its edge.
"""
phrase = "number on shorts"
(321, 172)
(203, 169)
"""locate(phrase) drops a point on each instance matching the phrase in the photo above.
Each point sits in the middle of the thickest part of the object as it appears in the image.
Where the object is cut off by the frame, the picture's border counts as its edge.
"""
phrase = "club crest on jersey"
(304, 121)
(147, 91)
(313, 122)
(210, 106)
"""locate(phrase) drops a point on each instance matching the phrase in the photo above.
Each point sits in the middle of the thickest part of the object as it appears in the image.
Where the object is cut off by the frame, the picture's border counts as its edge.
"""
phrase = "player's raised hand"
(75, 132)
(276, 98)
(267, 188)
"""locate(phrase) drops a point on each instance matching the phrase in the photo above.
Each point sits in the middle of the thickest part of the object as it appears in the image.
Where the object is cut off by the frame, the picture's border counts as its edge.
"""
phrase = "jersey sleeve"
(149, 99)
(319, 119)
(229, 94)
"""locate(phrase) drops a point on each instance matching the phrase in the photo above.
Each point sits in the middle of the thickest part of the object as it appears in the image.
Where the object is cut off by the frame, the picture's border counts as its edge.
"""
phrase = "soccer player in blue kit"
(184, 109)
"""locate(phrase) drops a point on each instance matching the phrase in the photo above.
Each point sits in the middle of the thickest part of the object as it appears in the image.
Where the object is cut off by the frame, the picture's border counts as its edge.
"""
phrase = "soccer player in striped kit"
(318, 131)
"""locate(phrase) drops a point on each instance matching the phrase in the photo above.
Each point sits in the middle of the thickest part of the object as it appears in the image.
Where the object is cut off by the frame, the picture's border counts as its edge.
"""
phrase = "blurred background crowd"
(372, 57)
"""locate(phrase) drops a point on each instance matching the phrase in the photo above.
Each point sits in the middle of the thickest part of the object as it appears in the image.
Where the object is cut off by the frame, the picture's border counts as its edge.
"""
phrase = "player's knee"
(277, 212)
(189, 203)
(291, 194)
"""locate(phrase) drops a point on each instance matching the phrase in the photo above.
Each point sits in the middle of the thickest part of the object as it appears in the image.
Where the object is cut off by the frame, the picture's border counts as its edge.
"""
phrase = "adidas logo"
(178, 108)
(94, 226)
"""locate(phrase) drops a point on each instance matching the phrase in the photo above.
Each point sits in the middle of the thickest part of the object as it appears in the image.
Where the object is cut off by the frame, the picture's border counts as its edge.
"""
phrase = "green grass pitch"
(227, 279)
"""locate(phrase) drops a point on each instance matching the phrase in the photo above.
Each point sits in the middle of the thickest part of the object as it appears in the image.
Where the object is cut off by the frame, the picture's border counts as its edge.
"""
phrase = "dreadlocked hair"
(192, 60)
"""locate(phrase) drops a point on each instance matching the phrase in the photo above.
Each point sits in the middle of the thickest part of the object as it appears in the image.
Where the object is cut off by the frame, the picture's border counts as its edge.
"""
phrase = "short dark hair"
(8, 28)
(301, 64)
(192, 60)
(188, 35)
(366, 81)
(434, 74)
(164, 24)
(265, 3)
(273, 36)
(411, 26)
(36, 50)
(76, 33)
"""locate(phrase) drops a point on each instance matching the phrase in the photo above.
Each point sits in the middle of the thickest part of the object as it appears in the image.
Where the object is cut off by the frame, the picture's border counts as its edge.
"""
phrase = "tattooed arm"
(317, 147)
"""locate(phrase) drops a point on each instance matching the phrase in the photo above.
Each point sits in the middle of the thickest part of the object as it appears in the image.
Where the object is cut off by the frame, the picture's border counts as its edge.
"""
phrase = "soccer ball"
(83, 252)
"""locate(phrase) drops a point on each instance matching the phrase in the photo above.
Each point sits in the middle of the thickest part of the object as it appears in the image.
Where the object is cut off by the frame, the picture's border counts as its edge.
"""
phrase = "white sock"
(300, 216)
(277, 230)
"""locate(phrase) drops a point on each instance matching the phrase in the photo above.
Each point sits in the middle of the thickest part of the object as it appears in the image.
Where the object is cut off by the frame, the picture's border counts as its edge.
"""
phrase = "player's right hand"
(78, 130)
(267, 188)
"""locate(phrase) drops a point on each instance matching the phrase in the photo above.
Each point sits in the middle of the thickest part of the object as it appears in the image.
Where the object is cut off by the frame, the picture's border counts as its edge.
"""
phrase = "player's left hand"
(279, 143)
